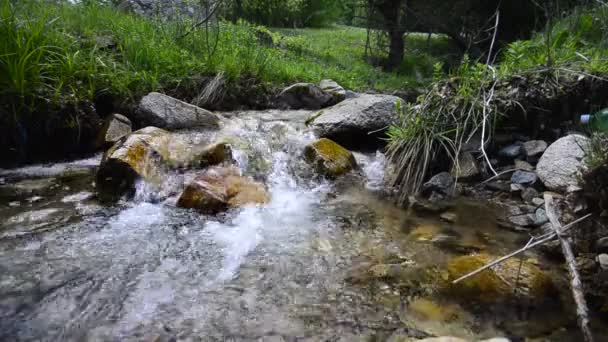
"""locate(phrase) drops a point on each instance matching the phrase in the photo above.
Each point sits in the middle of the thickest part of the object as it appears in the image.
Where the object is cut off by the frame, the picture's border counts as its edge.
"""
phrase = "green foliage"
(286, 13)
(597, 154)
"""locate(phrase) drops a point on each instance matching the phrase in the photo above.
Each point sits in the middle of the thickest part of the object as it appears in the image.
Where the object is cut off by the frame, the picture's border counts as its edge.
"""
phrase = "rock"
(442, 183)
(534, 148)
(467, 167)
(540, 217)
(529, 194)
(537, 201)
(497, 284)
(427, 309)
(163, 111)
(357, 122)
(499, 185)
(523, 165)
(518, 215)
(516, 188)
(524, 177)
(305, 96)
(423, 206)
(511, 152)
(449, 217)
(334, 89)
(329, 158)
(114, 128)
(602, 259)
(219, 188)
(349, 94)
(442, 339)
(559, 166)
(601, 245)
(146, 154)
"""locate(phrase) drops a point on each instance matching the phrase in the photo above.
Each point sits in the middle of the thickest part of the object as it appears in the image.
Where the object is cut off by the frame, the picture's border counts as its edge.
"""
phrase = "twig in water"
(540, 240)
(575, 280)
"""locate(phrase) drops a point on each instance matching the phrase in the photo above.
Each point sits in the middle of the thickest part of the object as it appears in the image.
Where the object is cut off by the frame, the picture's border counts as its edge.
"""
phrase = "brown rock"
(221, 188)
(329, 158)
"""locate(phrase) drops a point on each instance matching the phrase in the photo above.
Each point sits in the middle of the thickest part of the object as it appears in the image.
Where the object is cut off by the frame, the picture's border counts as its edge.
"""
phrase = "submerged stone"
(329, 158)
(219, 188)
(499, 283)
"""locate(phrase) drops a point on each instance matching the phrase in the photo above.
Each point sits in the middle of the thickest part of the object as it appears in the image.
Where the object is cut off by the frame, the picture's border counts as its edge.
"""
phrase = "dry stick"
(487, 100)
(543, 239)
(575, 280)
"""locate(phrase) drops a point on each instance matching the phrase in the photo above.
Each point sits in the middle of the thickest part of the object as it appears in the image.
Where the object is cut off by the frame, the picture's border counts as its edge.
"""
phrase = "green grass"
(339, 53)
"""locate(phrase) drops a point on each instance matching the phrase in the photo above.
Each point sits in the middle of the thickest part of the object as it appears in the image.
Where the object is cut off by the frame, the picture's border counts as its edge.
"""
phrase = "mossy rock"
(429, 310)
(500, 282)
(329, 158)
(220, 188)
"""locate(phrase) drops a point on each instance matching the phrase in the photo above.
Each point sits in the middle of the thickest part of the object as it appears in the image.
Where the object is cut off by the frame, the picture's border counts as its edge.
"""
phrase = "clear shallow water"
(144, 270)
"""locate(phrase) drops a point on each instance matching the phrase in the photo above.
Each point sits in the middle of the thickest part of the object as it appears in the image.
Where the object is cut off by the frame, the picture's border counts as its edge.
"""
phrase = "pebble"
(524, 177)
(538, 201)
(529, 194)
(512, 151)
(534, 148)
(449, 216)
(602, 259)
(523, 165)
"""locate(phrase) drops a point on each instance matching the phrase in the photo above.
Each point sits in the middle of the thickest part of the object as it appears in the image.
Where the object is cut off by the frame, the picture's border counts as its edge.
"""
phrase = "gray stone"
(523, 165)
(498, 186)
(114, 128)
(442, 183)
(349, 94)
(358, 121)
(449, 216)
(511, 152)
(305, 96)
(334, 89)
(561, 163)
(517, 188)
(529, 194)
(540, 217)
(467, 167)
(524, 177)
(163, 111)
(538, 201)
(534, 148)
(602, 259)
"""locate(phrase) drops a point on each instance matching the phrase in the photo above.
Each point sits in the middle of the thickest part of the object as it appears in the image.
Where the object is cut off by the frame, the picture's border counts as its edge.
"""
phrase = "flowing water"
(72, 269)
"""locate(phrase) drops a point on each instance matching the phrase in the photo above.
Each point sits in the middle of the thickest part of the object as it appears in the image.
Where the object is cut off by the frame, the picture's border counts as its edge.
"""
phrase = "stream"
(73, 269)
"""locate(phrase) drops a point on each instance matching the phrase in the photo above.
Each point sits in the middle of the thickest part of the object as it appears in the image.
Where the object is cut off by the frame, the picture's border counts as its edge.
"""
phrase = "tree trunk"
(397, 45)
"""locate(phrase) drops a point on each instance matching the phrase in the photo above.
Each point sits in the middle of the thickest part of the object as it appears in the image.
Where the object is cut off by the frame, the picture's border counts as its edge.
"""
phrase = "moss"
(424, 232)
(330, 159)
(427, 309)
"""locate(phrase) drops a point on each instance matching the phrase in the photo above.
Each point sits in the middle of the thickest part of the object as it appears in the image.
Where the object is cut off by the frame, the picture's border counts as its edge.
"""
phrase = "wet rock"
(561, 163)
(511, 152)
(334, 89)
(601, 245)
(524, 177)
(305, 96)
(517, 188)
(214, 154)
(221, 188)
(163, 111)
(28, 188)
(114, 128)
(529, 194)
(523, 165)
(498, 283)
(442, 183)
(602, 259)
(357, 122)
(442, 339)
(329, 158)
(537, 201)
(424, 232)
(467, 167)
(534, 148)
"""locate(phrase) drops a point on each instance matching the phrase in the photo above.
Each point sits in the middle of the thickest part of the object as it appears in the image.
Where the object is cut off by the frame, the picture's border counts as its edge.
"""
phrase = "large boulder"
(114, 128)
(466, 168)
(329, 158)
(334, 89)
(219, 188)
(305, 96)
(358, 121)
(163, 111)
(561, 163)
(497, 284)
(146, 154)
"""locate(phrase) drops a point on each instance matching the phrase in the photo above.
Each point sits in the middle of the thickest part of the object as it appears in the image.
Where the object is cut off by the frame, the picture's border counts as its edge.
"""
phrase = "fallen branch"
(575, 281)
(539, 241)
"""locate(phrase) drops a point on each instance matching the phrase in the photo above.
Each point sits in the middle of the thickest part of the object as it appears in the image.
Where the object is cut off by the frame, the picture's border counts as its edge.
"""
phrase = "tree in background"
(285, 13)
